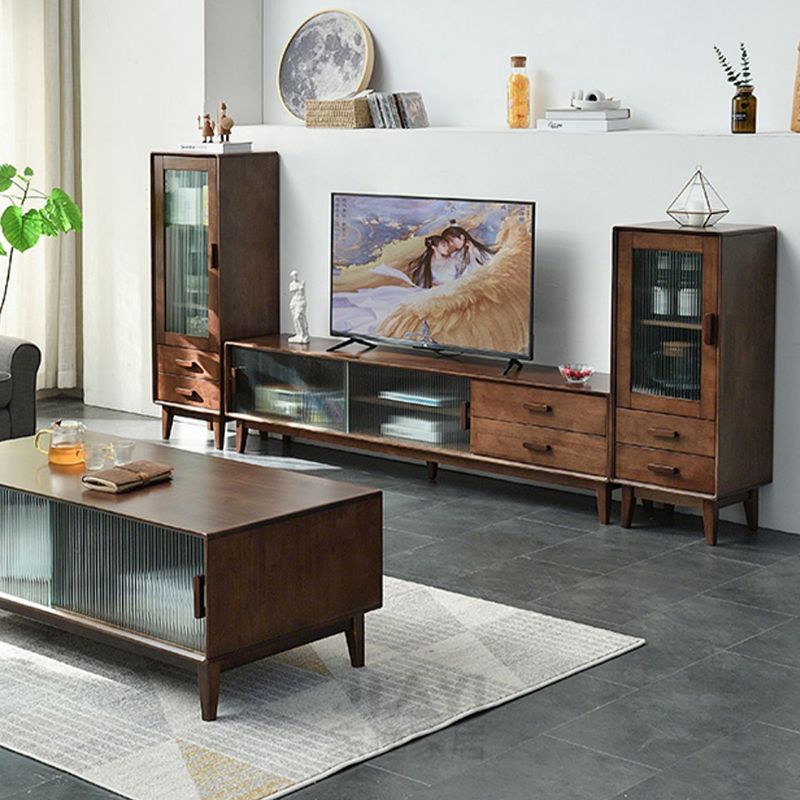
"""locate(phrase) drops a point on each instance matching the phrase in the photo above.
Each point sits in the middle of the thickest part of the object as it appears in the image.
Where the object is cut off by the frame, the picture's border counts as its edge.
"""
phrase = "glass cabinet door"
(665, 333)
(185, 251)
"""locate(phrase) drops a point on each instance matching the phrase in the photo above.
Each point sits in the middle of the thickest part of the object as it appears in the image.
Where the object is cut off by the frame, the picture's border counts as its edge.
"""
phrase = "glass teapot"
(66, 442)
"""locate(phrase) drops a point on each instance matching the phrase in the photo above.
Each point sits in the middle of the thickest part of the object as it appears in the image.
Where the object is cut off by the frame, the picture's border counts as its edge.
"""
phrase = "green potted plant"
(29, 215)
(744, 103)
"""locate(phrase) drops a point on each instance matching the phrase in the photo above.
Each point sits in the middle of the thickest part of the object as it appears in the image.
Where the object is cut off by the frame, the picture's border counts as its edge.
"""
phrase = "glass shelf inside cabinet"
(666, 330)
(422, 407)
(308, 391)
(185, 251)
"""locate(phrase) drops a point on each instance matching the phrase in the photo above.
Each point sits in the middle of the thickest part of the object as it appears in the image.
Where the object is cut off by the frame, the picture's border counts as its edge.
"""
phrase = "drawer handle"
(663, 469)
(537, 408)
(190, 393)
(536, 447)
(187, 363)
(663, 433)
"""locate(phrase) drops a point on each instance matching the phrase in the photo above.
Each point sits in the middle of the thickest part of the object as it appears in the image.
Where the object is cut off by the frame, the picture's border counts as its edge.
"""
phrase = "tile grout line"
(396, 774)
(655, 770)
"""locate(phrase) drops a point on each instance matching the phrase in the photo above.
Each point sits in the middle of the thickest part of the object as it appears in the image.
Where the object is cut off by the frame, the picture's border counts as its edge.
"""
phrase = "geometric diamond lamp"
(697, 205)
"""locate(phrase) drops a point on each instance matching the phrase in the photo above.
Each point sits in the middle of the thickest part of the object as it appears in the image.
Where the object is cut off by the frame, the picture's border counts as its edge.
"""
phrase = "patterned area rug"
(133, 726)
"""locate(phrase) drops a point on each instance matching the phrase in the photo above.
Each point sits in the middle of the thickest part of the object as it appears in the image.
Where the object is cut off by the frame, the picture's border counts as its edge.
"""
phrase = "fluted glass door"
(186, 252)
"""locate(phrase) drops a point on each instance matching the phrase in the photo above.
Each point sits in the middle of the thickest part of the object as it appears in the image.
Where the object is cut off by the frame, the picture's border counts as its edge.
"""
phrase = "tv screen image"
(452, 274)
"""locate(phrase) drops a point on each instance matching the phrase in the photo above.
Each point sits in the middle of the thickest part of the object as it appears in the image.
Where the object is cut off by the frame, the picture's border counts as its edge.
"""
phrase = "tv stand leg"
(286, 444)
(241, 436)
(433, 469)
(604, 503)
(628, 504)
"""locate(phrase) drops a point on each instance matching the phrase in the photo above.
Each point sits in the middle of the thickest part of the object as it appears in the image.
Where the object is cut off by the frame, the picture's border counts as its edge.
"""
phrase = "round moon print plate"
(329, 56)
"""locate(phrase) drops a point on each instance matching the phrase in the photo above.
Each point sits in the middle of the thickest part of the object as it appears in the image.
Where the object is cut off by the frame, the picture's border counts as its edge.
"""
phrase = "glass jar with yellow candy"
(519, 94)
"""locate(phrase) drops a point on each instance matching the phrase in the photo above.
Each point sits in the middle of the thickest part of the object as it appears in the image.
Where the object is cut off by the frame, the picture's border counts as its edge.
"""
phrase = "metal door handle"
(663, 433)
(663, 469)
(537, 408)
(213, 255)
(536, 447)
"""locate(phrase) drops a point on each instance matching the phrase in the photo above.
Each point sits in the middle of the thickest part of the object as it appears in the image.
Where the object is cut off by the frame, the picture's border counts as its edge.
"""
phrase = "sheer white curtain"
(39, 95)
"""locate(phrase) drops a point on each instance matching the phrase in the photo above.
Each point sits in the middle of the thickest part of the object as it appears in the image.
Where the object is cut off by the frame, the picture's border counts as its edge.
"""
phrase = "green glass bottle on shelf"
(743, 110)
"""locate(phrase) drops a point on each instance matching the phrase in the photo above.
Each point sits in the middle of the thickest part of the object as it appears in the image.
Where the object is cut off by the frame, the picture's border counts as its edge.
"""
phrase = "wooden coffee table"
(224, 565)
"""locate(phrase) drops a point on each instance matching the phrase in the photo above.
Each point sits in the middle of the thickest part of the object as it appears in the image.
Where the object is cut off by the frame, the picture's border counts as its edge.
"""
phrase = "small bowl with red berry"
(576, 373)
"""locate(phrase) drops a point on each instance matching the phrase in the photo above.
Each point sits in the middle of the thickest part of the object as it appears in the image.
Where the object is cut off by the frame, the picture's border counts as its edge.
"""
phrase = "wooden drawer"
(191, 363)
(666, 432)
(531, 444)
(189, 392)
(568, 411)
(665, 468)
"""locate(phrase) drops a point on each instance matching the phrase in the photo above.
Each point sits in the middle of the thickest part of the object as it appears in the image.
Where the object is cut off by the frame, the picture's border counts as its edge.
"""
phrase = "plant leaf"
(63, 211)
(21, 231)
(27, 172)
(49, 228)
(2, 250)
(7, 172)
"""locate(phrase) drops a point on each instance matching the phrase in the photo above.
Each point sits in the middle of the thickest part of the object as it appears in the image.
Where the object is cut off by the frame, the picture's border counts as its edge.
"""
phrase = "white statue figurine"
(297, 305)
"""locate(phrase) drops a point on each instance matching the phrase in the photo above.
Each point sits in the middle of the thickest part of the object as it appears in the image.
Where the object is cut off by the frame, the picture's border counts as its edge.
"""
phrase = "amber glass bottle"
(743, 110)
(519, 94)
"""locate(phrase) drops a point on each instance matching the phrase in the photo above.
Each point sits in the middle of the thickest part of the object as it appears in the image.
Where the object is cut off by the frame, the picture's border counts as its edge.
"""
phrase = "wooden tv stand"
(462, 412)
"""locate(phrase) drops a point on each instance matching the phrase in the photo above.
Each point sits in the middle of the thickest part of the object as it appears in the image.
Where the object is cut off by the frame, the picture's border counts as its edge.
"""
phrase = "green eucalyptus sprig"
(742, 77)
(31, 214)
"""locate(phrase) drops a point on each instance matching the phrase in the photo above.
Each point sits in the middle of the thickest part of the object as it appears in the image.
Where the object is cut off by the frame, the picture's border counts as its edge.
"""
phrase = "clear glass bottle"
(519, 94)
(688, 293)
(662, 294)
(743, 110)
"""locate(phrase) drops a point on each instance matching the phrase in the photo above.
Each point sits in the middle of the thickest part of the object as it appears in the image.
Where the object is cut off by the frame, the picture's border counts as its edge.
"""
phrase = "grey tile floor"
(709, 708)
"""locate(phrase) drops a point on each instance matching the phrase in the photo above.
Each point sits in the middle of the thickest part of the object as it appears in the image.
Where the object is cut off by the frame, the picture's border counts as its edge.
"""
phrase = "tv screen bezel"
(417, 345)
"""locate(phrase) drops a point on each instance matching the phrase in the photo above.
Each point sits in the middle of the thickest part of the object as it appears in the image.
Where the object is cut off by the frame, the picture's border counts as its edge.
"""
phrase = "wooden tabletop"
(207, 496)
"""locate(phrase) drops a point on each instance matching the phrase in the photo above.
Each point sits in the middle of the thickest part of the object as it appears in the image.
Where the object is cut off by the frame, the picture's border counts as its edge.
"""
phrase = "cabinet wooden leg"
(604, 503)
(355, 640)
(166, 422)
(751, 509)
(241, 436)
(286, 444)
(210, 425)
(628, 504)
(208, 684)
(219, 433)
(710, 521)
(433, 470)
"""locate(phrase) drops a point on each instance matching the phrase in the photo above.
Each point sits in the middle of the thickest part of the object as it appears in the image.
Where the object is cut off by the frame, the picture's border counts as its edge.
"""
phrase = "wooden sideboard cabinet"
(466, 413)
(693, 366)
(215, 273)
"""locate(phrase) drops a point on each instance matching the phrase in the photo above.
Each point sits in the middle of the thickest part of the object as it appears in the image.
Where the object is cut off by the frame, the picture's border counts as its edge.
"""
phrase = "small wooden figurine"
(224, 123)
(207, 127)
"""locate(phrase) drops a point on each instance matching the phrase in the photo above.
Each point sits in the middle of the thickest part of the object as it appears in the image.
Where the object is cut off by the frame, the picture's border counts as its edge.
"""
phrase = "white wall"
(144, 58)
(142, 88)
(657, 57)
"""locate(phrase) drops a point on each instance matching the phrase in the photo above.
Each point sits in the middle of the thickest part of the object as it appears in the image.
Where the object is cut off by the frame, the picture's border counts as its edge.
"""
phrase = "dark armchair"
(19, 362)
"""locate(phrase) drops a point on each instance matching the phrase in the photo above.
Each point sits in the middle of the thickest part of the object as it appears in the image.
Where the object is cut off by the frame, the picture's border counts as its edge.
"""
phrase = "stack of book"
(397, 110)
(575, 119)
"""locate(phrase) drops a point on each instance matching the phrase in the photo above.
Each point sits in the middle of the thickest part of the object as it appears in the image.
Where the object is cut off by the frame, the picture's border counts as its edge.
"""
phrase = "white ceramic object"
(298, 306)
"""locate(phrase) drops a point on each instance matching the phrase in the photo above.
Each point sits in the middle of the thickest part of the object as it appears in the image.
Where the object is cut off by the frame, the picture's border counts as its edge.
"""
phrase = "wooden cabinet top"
(208, 496)
(720, 229)
(404, 358)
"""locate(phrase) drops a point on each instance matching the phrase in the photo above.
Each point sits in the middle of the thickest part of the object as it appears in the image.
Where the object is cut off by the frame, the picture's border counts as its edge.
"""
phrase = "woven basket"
(350, 113)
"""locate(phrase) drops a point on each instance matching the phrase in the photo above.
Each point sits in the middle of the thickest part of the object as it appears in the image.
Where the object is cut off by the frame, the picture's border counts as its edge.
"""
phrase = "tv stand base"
(513, 363)
(352, 340)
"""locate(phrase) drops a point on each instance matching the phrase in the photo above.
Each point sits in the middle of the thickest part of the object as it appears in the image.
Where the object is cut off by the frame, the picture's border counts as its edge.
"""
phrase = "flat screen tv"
(440, 273)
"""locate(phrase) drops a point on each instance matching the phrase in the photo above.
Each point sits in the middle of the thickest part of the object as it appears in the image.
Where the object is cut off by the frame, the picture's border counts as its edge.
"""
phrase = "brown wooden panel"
(297, 574)
(189, 363)
(747, 358)
(545, 407)
(666, 432)
(557, 449)
(188, 391)
(248, 237)
(665, 468)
